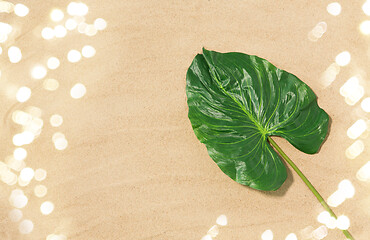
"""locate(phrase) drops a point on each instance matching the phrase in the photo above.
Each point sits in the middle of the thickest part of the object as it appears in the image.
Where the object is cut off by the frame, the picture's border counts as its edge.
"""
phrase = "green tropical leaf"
(236, 101)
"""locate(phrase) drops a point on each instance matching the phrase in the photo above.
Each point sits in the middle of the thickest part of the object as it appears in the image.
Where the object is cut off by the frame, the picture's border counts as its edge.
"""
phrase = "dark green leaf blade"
(237, 100)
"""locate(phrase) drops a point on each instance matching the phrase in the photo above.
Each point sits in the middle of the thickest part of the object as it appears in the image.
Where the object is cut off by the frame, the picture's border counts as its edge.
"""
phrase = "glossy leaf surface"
(236, 100)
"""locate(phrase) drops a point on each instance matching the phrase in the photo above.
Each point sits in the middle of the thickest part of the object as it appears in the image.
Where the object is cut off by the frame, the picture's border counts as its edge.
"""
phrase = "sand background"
(133, 168)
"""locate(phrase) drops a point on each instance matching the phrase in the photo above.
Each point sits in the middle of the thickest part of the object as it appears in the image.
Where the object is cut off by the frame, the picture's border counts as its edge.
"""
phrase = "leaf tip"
(204, 50)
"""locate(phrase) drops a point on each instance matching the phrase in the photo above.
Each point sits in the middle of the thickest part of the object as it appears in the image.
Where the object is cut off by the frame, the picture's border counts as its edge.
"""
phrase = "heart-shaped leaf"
(236, 101)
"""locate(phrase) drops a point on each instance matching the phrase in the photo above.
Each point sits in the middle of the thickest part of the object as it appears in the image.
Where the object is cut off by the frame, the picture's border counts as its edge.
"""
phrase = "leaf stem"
(309, 185)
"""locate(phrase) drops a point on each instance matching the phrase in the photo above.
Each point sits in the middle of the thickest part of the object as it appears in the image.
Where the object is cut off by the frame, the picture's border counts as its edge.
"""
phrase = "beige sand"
(133, 168)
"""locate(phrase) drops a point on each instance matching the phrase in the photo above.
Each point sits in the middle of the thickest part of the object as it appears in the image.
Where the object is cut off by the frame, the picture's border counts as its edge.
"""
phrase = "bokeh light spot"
(82, 27)
(6, 7)
(343, 222)
(363, 174)
(3, 38)
(47, 33)
(5, 28)
(53, 63)
(74, 56)
(21, 10)
(26, 227)
(39, 72)
(88, 51)
(15, 215)
(23, 94)
(27, 174)
(90, 30)
(70, 24)
(19, 200)
(77, 9)
(357, 129)
(61, 143)
(46, 207)
(40, 191)
(323, 217)
(50, 84)
(20, 154)
(291, 236)
(15, 54)
(57, 135)
(60, 31)
(267, 235)
(221, 220)
(22, 183)
(343, 58)
(352, 90)
(355, 149)
(16, 192)
(56, 120)
(366, 8)
(35, 126)
(347, 189)
(78, 91)
(40, 174)
(317, 31)
(100, 24)
(365, 104)
(56, 15)
(336, 199)
(16, 165)
(207, 237)
(9, 177)
(334, 8)
(330, 75)
(23, 138)
(365, 27)
(320, 233)
(332, 223)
